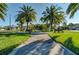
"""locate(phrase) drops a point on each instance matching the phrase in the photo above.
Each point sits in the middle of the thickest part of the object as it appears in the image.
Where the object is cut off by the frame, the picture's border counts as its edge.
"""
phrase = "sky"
(39, 8)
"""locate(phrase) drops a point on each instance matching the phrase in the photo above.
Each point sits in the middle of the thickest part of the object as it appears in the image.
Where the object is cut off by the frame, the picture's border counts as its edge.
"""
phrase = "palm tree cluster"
(53, 16)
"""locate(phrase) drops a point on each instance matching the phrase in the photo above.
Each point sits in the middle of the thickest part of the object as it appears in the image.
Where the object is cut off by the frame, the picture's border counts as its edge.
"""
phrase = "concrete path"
(41, 44)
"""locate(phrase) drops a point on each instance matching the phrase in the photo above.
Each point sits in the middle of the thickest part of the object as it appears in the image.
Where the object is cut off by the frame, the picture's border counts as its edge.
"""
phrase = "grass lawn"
(8, 41)
(69, 39)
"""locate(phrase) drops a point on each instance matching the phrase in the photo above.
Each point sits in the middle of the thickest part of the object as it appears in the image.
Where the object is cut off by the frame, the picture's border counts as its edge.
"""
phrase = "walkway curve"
(41, 44)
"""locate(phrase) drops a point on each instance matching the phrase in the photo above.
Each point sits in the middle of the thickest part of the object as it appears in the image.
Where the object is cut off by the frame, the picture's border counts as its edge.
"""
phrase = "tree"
(21, 22)
(3, 9)
(53, 15)
(26, 14)
(64, 25)
(44, 20)
(72, 9)
(70, 25)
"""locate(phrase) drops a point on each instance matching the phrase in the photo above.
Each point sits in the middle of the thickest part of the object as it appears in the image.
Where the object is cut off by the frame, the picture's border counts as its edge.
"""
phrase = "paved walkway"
(41, 44)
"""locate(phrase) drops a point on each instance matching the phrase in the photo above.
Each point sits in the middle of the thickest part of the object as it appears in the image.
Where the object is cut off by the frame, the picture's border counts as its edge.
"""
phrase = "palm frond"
(72, 8)
(3, 9)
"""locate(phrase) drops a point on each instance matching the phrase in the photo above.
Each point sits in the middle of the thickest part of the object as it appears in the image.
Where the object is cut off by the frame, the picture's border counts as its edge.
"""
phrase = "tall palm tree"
(27, 13)
(3, 8)
(53, 15)
(72, 9)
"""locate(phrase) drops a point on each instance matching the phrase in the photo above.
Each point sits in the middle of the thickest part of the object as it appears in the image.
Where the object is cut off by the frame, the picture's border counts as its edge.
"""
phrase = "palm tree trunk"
(48, 25)
(51, 25)
(27, 26)
(21, 27)
(54, 28)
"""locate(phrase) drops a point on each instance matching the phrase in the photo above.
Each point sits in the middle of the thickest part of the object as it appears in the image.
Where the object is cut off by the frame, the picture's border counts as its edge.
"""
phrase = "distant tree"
(20, 22)
(64, 26)
(70, 24)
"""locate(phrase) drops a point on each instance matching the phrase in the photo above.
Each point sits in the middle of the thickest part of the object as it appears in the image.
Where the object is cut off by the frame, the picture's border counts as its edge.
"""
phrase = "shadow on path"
(38, 47)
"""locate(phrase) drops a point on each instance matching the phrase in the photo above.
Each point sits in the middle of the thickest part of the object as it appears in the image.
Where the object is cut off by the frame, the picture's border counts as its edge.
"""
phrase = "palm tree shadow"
(38, 47)
(70, 45)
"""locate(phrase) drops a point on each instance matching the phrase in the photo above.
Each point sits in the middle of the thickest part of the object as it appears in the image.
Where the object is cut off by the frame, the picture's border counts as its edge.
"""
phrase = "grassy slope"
(9, 41)
(68, 39)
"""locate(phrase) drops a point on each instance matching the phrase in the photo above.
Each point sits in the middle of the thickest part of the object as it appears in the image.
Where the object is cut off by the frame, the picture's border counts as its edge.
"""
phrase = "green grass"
(69, 39)
(9, 41)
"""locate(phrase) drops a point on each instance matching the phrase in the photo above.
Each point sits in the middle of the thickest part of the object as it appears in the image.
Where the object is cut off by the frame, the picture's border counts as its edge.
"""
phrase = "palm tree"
(27, 13)
(72, 9)
(3, 8)
(53, 15)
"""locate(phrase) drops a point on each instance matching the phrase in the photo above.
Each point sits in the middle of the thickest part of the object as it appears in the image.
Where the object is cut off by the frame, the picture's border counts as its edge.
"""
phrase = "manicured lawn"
(8, 41)
(69, 39)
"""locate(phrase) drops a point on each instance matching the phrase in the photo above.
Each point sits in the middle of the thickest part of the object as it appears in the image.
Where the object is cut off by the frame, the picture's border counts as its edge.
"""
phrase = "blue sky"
(12, 8)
